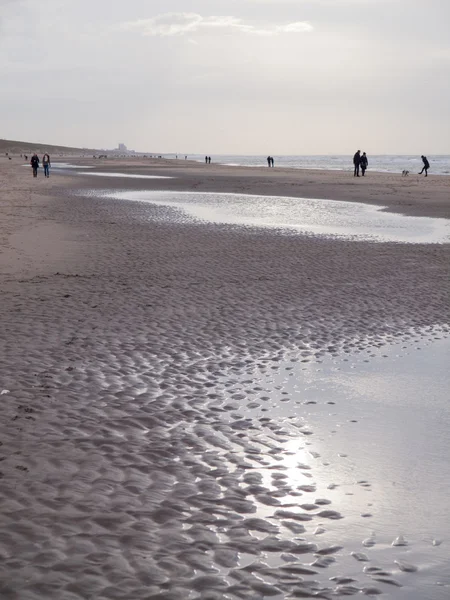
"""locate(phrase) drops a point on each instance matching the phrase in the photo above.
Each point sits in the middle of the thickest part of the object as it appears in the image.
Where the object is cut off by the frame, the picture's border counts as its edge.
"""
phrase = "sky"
(228, 76)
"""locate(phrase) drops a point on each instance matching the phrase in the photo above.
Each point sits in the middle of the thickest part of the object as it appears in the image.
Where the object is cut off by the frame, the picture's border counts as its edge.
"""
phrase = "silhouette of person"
(209, 159)
(272, 161)
(206, 160)
(357, 162)
(46, 164)
(34, 164)
(364, 162)
(426, 165)
(269, 161)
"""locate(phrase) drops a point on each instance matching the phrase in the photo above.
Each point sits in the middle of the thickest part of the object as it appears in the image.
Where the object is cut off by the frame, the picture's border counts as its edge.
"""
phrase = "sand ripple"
(127, 469)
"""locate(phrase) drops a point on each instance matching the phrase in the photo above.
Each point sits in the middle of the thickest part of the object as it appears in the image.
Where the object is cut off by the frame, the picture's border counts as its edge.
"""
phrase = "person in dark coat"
(426, 165)
(356, 162)
(34, 162)
(364, 163)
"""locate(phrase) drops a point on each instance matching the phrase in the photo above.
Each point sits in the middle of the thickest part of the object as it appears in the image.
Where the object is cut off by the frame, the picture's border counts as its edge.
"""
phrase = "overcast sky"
(228, 76)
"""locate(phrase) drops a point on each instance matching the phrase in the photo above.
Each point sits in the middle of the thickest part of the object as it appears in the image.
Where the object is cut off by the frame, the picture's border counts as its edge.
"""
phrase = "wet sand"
(129, 343)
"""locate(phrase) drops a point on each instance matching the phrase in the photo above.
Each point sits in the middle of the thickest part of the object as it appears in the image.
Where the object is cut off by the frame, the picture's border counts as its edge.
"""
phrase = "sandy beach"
(130, 345)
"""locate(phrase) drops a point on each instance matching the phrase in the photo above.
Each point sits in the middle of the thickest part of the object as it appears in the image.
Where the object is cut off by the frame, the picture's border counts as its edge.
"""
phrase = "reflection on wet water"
(63, 165)
(374, 449)
(346, 220)
(126, 175)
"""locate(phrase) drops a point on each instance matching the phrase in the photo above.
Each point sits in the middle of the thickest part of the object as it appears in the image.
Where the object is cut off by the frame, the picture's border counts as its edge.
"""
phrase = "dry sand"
(125, 472)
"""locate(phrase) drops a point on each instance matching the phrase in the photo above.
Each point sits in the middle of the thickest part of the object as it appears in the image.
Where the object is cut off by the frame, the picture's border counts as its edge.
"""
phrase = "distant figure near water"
(357, 163)
(270, 161)
(209, 160)
(46, 164)
(34, 162)
(364, 162)
(206, 160)
(426, 165)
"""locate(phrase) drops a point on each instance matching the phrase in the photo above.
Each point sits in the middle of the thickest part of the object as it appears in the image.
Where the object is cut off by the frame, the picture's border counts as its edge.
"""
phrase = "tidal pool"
(126, 175)
(331, 218)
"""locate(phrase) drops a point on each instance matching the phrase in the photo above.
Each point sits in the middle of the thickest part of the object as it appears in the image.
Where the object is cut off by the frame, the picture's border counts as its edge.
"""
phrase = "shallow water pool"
(331, 218)
(126, 175)
(378, 451)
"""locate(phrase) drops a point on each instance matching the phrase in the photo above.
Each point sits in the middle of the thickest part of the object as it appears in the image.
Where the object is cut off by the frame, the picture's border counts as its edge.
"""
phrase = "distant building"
(122, 148)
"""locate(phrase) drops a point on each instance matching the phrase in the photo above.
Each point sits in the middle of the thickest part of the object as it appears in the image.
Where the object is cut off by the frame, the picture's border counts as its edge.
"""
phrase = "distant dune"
(15, 147)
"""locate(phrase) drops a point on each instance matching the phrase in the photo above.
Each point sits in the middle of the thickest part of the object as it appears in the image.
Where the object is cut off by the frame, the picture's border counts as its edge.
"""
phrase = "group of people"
(360, 161)
(45, 163)
(207, 160)
(270, 161)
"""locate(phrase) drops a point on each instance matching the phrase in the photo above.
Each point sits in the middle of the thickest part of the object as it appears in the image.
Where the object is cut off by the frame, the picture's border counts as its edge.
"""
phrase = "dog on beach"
(405, 173)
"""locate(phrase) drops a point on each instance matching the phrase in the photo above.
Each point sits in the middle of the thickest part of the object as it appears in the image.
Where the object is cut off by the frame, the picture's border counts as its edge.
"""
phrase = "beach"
(157, 439)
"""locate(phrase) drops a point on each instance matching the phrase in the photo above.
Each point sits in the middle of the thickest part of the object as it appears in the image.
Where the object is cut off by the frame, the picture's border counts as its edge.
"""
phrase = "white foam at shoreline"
(331, 218)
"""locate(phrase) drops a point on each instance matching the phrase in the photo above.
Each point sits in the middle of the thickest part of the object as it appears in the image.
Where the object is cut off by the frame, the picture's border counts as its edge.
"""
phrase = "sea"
(387, 163)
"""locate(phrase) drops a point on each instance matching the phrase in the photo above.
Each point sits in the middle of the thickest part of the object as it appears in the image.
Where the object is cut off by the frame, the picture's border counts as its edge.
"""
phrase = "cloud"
(172, 24)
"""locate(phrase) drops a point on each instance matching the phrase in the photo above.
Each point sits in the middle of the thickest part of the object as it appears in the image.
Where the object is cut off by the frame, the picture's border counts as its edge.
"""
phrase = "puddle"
(377, 453)
(62, 165)
(127, 175)
(343, 220)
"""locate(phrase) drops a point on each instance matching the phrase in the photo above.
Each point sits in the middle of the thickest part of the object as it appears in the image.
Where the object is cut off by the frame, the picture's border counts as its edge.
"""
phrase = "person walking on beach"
(46, 164)
(272, 161)
(209, 159)
(269, 161)
(426, 165)
(34, 164)
(364, 162)
(206, 160)
(357, 163)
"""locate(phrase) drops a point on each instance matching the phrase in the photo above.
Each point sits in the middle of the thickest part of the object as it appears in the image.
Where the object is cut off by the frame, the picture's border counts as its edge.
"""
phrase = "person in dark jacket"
(364, 162)
(426, 165)
(34, 164)
(357, 162)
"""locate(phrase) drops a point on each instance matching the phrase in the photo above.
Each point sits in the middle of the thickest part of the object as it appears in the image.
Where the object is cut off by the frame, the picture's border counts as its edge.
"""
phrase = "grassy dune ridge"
(16, 147)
